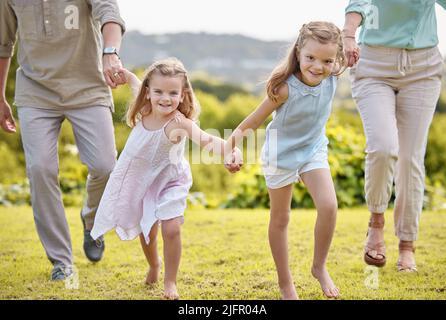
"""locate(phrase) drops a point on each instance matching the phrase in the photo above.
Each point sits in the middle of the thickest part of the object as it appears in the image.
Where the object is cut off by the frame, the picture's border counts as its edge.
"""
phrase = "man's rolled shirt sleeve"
(106, 11)
(8, 29)
(358, 6)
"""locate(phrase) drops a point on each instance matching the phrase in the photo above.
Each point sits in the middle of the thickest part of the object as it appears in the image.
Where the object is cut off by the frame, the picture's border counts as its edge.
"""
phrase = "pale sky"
(263, 19)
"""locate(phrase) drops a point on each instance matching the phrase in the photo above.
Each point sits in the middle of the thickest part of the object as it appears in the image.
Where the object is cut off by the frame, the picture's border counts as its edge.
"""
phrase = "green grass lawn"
(225, 256)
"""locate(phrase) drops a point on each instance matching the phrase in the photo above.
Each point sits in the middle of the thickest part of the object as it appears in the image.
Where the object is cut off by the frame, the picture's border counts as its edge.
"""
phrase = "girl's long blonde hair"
(321, 31)
(170, 67)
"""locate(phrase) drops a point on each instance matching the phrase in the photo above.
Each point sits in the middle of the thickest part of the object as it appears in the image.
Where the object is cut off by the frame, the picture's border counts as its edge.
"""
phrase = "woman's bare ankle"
(376, 228)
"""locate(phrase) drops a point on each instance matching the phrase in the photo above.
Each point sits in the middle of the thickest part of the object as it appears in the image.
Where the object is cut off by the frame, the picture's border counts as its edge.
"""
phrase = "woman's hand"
(351, 51)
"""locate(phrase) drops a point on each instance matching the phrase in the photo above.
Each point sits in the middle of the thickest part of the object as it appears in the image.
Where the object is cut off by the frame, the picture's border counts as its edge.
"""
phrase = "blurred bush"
(441, 105)
(222, 91)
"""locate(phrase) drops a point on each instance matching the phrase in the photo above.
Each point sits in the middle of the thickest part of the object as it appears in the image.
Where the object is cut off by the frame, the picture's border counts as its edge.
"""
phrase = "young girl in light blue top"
(300, 92)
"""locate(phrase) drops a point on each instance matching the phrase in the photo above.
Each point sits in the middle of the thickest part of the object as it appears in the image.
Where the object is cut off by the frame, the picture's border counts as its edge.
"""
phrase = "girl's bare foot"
(170, 291)
(288, 292)
(154, 273)
(328, 287)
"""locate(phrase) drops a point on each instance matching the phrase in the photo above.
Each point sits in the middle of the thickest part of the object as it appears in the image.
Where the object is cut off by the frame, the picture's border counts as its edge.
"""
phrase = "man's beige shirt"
(59, 50)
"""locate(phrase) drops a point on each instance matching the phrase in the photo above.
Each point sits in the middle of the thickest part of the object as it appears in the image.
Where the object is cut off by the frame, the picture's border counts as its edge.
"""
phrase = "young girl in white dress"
(151, 179)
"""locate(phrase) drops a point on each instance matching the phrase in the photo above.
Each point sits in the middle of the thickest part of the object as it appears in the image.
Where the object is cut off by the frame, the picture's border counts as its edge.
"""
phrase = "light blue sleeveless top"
(297, 130)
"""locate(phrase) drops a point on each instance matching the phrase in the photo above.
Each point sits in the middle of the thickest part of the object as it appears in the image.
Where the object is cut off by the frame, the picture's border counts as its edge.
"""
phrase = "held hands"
(113, 70)
(351, 51)
(133, 81)
(7, 122)
(234, 160)
(128, 76)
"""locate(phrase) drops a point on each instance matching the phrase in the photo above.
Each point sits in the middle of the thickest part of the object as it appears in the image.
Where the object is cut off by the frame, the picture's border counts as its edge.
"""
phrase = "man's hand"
(113, 72)
(7, 121)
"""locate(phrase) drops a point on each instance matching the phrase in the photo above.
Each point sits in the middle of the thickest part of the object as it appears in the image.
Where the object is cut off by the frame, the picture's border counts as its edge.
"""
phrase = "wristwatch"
(110, 50)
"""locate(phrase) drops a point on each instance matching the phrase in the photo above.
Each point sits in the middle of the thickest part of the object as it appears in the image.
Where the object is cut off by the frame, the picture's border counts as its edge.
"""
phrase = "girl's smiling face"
(316, 61)
(165, 93)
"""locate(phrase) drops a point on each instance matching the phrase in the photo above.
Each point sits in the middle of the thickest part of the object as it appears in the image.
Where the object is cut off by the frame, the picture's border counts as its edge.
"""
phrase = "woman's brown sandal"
(375, 254)
(406, 246)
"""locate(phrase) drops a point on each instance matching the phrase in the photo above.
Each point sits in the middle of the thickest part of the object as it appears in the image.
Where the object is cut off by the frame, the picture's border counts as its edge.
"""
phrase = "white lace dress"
(150, 183)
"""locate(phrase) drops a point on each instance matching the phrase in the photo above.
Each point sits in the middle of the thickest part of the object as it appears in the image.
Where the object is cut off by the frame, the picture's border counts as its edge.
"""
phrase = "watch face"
(110, 50)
